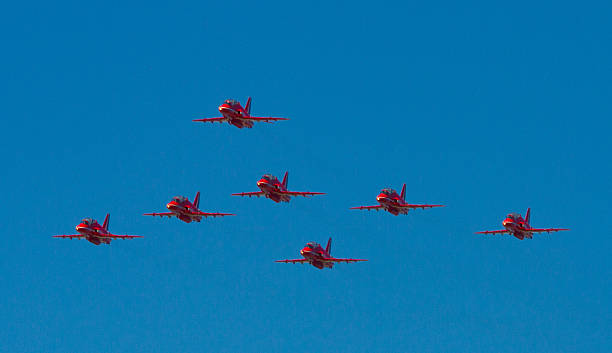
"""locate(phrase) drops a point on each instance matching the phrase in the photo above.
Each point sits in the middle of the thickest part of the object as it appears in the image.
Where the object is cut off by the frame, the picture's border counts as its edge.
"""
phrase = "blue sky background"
(486, 108)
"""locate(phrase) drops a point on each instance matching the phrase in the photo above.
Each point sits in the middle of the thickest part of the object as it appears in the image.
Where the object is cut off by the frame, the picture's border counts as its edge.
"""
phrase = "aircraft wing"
(213, 214)
(296, 261)
(545, 230)
(301, 193)
(106, 236)
(264, 119)
(503, 231)
(212, 120)
(162, 214)
(115, 236)
(369, 208)
(71, 236)
(344, 260)
(409, 206)
(249, 194)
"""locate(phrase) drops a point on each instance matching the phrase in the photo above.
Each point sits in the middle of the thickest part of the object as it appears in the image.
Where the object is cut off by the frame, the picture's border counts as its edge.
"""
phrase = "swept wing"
(212, 214)
(264, 119)
(250, 194)
(502, 231)
(300, 193)
(369, 208)
(212, 120)
(296, 261)
(161, 214)
(545, 230)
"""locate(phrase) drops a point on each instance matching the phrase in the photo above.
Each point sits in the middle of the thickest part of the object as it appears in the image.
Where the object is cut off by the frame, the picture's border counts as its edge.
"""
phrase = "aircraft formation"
(270, 187)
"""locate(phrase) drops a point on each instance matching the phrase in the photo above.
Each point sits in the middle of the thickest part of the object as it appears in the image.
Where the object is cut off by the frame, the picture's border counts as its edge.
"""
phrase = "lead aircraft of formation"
(519, 227)
(95, 233)
(320, 258)
(181, 208)
(393, 203)
(235, 114)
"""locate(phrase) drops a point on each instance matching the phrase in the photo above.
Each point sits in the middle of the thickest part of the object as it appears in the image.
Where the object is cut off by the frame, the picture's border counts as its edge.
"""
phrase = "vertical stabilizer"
(403, 194)
(105, 224)
(286, 180)
(196, 200)
(528, 216)
(328, 247)
(247, 107)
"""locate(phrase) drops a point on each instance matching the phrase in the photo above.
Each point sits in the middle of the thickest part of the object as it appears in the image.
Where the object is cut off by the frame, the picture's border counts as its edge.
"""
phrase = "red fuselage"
(272, 188)
(184, 210)
(92, 232)
(316, 256)
(518, 227)
(390, 202)
(235, 114)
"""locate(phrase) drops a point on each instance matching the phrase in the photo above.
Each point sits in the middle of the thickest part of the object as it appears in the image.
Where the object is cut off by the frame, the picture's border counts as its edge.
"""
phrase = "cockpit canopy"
(515, 216)
(268, 177)
(230, 102)
(389, 191)
(179, 199)
(312, 245)
(89, 221)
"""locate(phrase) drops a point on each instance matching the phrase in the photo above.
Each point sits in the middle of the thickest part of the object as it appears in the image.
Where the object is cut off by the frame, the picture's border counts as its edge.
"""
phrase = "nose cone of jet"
(507, 222)
(262, 182)
(80, 227)
(305, 251)
(171, 205)
(223, 107)
(381, 197)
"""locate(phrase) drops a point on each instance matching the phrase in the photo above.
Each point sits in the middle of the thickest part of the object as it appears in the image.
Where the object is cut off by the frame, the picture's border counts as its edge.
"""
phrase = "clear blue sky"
(485, 108)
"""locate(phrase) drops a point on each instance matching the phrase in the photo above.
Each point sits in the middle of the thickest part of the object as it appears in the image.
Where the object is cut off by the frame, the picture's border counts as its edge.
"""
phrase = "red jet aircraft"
(97, 234)
(393, 203)
(186, 211)
(519, 227)
(238, 116)
(320, 258)
(275, 190)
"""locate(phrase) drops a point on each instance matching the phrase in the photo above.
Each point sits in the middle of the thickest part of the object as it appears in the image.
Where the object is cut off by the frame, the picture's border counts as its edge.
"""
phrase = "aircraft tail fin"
(328, 247)
(403, 194)
(196, 200)
(286, 180)
(105, 224)
(247, 107)
(528, 216)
